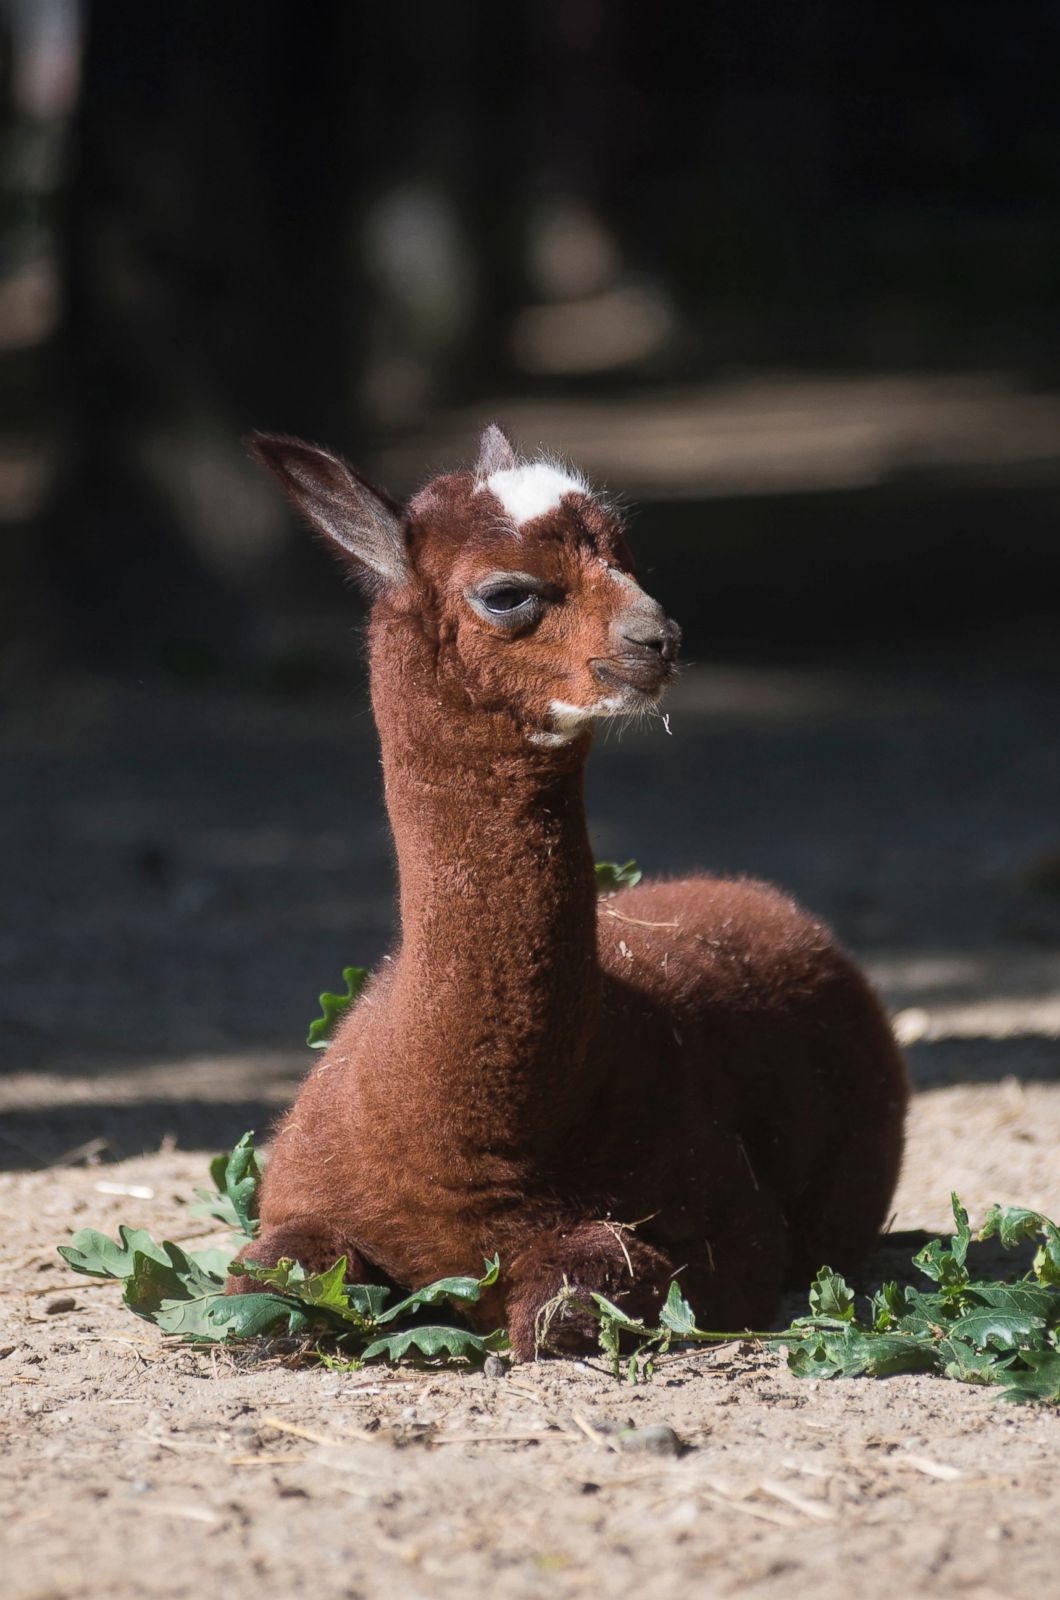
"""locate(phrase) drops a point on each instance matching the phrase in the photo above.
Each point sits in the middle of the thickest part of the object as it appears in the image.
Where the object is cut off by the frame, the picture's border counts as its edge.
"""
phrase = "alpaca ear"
(362, 521)
(496, 453)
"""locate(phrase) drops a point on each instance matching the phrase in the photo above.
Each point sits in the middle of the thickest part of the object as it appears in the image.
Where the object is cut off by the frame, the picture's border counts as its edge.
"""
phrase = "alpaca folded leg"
(298, 1241)
(587, 1257)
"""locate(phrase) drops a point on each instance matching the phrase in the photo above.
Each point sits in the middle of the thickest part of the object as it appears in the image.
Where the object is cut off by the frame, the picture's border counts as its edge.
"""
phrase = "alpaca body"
(741, 1091)
(535, 1071)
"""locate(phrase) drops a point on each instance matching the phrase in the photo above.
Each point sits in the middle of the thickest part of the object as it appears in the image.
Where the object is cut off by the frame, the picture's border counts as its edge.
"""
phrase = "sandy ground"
(135, 1467)
(152, 991)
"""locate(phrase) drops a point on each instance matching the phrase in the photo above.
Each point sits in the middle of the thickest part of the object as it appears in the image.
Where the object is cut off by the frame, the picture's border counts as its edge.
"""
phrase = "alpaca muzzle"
(646, 672)
(646, 644)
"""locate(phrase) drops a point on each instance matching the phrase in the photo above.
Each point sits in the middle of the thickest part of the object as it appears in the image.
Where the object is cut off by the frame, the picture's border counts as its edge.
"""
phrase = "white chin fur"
(568, 721)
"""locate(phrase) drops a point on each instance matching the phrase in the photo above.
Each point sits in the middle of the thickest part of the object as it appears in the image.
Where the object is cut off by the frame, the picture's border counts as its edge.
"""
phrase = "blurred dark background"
(786, 279)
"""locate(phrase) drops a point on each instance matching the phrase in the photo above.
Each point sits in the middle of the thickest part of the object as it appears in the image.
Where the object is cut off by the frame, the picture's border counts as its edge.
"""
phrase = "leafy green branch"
(183, 1293)
(1003, 1332)
(617, 1330)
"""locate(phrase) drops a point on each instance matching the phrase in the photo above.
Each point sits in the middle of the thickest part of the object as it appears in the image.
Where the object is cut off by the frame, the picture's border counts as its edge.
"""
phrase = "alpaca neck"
(496, 989)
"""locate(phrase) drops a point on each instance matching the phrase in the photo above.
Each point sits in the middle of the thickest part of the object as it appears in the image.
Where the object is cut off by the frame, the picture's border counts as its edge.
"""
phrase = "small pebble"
(62, 1302)
(657, 1439)
(604, 1424)
(495, 1367)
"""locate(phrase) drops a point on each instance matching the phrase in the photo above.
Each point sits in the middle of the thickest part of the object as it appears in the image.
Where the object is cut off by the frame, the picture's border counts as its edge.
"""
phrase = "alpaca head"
(510, 588)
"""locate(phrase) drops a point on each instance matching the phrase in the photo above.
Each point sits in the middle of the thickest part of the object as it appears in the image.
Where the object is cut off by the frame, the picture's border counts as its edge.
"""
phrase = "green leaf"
(367, 1300)
(465, 1290)
(887, 1355)
(847, 1352)
(357, 1303)
(339, 1363)
(1005, 1328)
(968, 1365)
(889, 1304)
(212, 1204)
(1035, 1299)
(432, 1342)
(1046, 1266)
(363, 1304)
(1046, 1263)
(180, 1297)
(173, 1293)
(610, 875)
(926, 1315)
(814, 1357)
(334, 1006)
(216, 1261)
(250, 1316)
(677, 1315)
(614, 1322)
(830, 1296)
(238, 1180)
(99, 1257)
(217, 1170)
(1012, 1224)
(242, 1181)
(1041, 1383)
(963, 1236)
(616, 1316)
(939, 1263)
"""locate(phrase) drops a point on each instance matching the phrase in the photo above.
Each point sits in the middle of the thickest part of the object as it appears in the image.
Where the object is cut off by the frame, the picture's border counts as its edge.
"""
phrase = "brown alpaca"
(532, 1072)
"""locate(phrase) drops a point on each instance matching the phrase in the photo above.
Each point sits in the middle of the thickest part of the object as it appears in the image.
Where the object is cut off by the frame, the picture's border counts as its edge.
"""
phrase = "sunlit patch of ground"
(123, 1454)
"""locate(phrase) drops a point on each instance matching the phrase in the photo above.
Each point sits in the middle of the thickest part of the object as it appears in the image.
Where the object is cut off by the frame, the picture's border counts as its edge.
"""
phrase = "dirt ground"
(920, 813)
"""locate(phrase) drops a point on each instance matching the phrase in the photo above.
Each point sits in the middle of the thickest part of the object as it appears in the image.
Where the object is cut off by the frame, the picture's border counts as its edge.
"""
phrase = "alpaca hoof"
(561, 1327)
(556, 1275)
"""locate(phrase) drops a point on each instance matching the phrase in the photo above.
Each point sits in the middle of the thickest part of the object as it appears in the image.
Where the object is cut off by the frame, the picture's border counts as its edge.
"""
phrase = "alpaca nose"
(654, 631)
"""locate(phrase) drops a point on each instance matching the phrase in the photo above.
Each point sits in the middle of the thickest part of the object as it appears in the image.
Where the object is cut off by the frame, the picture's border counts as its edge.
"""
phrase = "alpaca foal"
(534, 1072)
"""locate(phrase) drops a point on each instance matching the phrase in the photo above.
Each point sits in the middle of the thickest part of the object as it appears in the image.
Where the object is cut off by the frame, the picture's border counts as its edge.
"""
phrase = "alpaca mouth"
(626, 699)
(645, 672)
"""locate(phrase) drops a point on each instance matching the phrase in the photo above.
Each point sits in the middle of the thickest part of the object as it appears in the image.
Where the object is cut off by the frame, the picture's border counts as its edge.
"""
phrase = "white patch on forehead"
(533, 488)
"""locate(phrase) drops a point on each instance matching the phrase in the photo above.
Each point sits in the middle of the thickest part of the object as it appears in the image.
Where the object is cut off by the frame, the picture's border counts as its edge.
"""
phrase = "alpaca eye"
(511, 601)
(502, 601)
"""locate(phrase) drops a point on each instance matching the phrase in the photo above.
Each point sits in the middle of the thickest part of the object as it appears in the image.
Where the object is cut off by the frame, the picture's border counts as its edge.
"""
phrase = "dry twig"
(603, 1440)
(638, 922)
(315, 1438)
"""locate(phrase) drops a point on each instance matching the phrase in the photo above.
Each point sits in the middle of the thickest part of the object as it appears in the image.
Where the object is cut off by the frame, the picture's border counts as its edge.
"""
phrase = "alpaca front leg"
(303, 1242)
(588, 1256)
